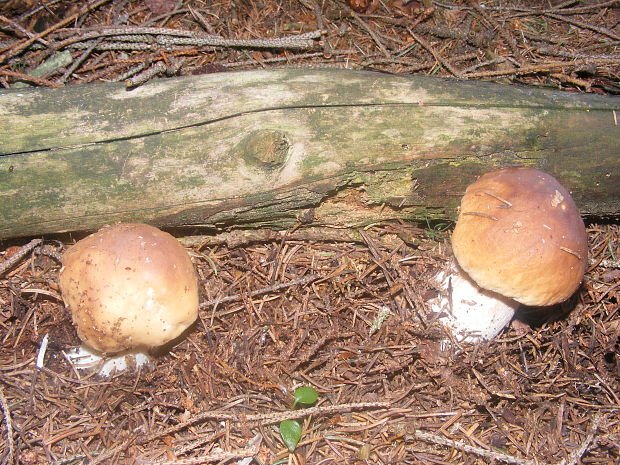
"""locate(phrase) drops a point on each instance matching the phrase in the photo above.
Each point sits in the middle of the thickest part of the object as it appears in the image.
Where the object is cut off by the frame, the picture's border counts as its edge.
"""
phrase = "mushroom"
(519, 239)
(130, 288)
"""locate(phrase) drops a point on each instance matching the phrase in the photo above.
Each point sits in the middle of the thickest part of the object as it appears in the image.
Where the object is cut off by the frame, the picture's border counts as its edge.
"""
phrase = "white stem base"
(85, 358)
(472, 314)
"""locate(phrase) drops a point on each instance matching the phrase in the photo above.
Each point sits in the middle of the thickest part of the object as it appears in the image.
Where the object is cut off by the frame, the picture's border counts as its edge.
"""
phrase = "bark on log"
(262, 149)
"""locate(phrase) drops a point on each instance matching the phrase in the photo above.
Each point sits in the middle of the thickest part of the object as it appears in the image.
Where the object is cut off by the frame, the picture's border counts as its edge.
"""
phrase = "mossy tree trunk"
(262, 149)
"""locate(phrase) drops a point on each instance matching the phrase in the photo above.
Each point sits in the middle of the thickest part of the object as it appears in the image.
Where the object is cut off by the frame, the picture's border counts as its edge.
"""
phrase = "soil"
(280, 310)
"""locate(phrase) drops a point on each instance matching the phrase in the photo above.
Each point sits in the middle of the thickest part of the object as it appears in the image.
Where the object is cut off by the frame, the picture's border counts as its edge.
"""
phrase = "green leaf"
(290, 430)
(305, 395)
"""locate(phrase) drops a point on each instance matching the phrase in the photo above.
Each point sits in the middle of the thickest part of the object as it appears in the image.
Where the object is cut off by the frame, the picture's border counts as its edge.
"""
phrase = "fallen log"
(270, 148)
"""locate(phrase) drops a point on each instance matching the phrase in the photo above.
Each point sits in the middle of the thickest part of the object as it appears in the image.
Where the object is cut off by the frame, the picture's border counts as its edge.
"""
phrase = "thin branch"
(494, 24)
(21, 253)
(460, 445)
(142, 77)
(265, 419)
(265, 290)
(133, 71)
(25, 77)
(249, 451)
(157, 37)
(541, 67)
(576, 455)
(9, 428)
(78, 61)
(19, 28)
(438, 57)
(605, 263)
(601, 30)
(553, 51)
(372, 33)
(261, 419)
(23, 45)
(572, 459)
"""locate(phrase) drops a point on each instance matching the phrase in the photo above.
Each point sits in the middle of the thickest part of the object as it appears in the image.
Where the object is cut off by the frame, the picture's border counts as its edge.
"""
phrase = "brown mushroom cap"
(520, 234)
(129, 286)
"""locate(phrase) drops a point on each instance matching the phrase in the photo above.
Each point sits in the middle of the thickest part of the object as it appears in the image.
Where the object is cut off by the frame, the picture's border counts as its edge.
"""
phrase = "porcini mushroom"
(130, 287)
(519, 238)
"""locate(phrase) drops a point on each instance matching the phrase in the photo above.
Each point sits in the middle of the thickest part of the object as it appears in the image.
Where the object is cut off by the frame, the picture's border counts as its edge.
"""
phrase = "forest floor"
(350, 319)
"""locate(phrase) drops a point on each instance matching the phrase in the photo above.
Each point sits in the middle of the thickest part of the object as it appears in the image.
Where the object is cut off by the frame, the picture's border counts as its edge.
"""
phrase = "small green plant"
(305, 395)
(290, 430)
(434, 231)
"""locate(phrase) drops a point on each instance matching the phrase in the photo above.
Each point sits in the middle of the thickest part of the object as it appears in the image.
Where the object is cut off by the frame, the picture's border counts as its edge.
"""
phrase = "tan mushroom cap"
(520, 234)
(129, 286)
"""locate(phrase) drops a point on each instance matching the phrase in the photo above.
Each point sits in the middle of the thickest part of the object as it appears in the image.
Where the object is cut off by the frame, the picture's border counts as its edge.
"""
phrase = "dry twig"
(28, 78)
(436, 55)
(17, 48)
(21, 253)
(9, 428)
(265, 290)
(505, 458)
(147, 74)
(149, 38)
(261, 419)
(540, 68)
(223, 456)
(581, 24)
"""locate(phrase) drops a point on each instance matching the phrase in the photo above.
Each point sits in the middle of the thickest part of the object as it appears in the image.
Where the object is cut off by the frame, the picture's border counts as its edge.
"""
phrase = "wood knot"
(267, 149)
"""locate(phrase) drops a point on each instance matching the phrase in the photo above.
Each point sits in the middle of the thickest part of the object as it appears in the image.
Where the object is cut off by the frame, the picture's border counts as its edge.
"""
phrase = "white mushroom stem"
(471, 313)
(85, 358)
